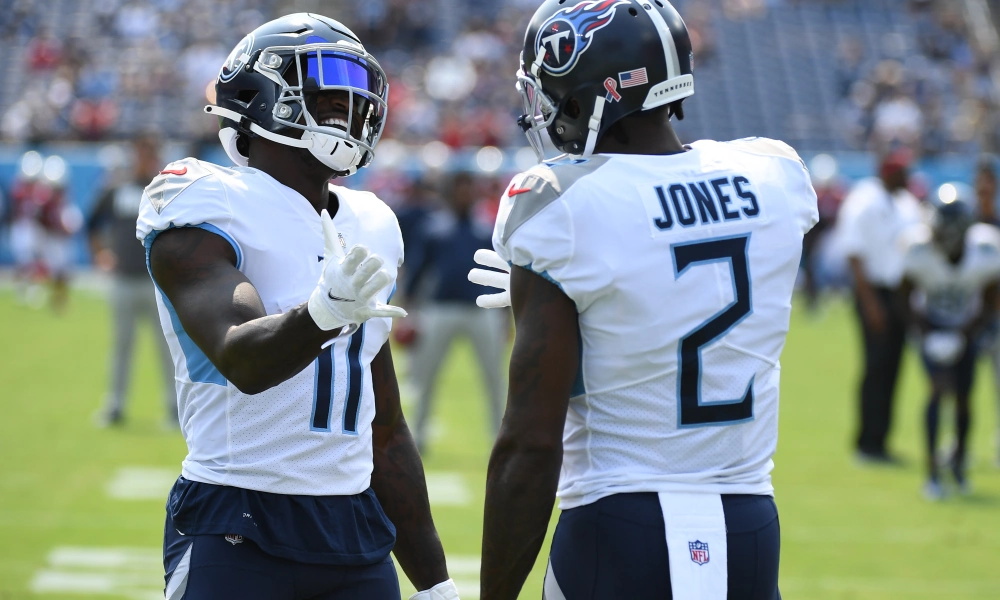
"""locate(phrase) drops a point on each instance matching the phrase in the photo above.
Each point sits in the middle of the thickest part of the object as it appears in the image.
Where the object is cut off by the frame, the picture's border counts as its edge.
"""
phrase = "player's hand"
(445, 590)
(346, 291)
(489, 258)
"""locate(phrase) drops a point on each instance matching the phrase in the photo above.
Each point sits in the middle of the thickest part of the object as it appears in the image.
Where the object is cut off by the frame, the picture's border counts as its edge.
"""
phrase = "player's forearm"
(520, 491)
(399, 484)
(862, 288)
(264, 352)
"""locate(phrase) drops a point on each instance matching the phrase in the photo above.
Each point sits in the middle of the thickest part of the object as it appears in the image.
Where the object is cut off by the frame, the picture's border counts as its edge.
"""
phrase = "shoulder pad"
(174, 179)
(985, 239)
(535, 189)
(767, 147)
(917, 238)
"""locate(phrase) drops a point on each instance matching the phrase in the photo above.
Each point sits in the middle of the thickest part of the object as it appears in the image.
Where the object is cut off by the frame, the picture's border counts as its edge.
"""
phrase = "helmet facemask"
(300, 74)
(312, 69)
(539, 109)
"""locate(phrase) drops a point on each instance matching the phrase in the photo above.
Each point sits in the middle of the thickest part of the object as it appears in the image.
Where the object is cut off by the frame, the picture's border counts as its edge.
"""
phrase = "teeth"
(334, 122)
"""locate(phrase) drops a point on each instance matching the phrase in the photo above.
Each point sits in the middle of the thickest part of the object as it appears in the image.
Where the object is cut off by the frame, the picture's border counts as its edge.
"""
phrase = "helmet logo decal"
(568, 33)
(238, 59)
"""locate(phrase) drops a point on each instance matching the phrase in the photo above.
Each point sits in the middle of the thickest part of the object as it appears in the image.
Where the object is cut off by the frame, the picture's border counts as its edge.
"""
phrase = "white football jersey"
(310, 435)
(950, 295)
(681, 268)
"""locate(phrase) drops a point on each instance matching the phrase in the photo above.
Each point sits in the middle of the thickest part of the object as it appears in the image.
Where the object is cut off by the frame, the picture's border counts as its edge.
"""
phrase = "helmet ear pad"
(569, 129)
(236, 145)
(571, 126)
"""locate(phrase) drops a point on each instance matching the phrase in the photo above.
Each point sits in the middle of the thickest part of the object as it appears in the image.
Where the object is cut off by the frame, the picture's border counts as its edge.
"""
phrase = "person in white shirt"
(951, 272)
(651, 287)
(301, 474)
(874, 214)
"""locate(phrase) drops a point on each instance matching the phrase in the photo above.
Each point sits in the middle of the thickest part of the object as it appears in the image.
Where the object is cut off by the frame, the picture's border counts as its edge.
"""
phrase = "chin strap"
(594, 125)
(249, 125)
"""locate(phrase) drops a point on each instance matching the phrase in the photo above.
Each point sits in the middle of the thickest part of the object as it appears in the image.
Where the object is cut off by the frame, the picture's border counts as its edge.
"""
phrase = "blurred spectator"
(875, 213)
(42, 223)
(27, 199)
(927, 87)
(897, 121)
(60, 219)
(112, 240)
(132, 64)
(43, 52)
(830, 192)
(986, 199)
(443, 301)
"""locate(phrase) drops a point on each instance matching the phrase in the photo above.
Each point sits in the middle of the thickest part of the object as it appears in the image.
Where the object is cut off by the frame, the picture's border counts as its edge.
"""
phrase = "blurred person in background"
(949, 296)
(42, 224)
(111, 231)
(25, 231)
(60, 220)
(875, 212)
(986, 204)
(444, 301)
(830, 191)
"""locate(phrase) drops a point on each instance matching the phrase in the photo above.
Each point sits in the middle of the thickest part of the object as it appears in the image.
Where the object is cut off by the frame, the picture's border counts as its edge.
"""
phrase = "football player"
(301, 474)
(651, 285)
(949, 293)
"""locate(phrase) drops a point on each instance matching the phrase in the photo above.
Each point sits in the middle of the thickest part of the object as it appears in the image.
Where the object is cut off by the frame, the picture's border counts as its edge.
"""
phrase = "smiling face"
(331, 108)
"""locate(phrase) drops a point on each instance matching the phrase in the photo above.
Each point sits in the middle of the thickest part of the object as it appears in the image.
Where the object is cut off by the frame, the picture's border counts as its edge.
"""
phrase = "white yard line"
(938, 588)
(134, 573)
(448, 489)
(142, 483)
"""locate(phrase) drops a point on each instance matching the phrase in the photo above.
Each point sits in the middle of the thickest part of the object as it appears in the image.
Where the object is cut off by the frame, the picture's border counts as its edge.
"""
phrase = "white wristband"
(445, 590)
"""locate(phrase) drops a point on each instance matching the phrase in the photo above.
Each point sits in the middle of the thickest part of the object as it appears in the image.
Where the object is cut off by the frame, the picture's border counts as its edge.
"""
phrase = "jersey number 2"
(691, 411)
(323, 401)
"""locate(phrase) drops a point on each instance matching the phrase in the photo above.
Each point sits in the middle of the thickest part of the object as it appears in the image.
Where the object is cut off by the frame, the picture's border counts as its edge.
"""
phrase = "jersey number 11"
(325, 388)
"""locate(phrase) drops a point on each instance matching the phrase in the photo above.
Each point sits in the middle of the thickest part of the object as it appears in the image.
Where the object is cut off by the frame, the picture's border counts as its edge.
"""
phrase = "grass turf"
(847, 532)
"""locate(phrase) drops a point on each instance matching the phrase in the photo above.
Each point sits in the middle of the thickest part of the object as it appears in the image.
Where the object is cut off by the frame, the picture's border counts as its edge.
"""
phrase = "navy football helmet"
(586, 64)
(269, 83)
(954, 212)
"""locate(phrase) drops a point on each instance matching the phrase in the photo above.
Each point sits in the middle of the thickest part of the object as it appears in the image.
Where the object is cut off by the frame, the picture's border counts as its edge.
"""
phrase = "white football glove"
(445, 590)
(489, 258)
(944, 347)
(345, 294)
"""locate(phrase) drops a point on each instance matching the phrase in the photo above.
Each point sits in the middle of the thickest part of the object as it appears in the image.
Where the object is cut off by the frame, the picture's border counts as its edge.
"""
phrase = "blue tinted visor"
(330, 68)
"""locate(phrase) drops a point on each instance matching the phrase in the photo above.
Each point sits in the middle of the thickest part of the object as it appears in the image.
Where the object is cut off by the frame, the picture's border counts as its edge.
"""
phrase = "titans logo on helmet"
(238, 59)
(568, 33)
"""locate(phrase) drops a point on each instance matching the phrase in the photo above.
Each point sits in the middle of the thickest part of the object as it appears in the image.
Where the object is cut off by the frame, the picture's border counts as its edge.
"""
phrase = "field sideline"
(82, 508)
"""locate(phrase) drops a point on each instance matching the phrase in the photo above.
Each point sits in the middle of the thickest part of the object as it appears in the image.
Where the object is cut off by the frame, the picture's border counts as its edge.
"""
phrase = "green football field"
(81, 509)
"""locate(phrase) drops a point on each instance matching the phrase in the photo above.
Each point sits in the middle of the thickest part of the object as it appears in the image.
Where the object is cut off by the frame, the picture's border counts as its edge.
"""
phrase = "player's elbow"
(248, 380)
(248, 385)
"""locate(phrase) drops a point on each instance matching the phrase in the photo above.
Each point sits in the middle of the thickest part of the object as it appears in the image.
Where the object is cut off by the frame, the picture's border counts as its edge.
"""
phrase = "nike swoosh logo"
(337, 298)
(175, 171)
(515, 191)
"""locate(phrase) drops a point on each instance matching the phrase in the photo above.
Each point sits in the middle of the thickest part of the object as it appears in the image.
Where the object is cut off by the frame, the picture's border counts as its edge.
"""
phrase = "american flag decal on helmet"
(633, 78)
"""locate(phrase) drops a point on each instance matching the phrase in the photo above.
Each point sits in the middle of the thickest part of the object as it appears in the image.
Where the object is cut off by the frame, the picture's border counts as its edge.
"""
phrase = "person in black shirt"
(439, 257)
(112, 241)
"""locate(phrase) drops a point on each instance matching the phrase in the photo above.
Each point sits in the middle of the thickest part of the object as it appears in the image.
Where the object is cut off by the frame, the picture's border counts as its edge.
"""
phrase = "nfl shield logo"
(699, 552)
(234, 538)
